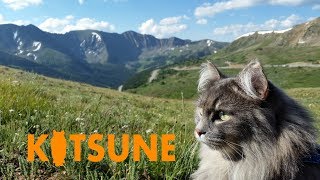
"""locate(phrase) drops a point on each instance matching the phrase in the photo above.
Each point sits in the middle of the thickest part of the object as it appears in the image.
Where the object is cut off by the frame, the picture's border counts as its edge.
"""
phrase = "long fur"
(282, 134)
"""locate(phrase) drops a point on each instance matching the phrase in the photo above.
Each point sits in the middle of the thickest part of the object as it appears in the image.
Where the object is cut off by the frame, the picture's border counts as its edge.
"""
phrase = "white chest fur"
(214, 167)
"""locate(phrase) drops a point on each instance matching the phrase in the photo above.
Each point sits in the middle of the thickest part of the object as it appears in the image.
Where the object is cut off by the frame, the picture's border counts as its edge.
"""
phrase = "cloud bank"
(69, 23)
(233, 31)
(21, 4)
(209, 10)
(165, 28)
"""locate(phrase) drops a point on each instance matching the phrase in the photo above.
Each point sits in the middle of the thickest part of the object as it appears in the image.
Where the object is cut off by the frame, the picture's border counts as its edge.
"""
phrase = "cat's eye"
(223, 116)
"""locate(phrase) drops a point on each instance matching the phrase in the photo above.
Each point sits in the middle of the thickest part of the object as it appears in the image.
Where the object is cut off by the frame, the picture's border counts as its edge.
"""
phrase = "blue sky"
(221, 20)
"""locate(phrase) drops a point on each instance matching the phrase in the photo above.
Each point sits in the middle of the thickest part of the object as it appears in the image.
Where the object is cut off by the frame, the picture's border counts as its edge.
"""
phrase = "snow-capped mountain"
(264, 32)
(302, 35)
(96, 57)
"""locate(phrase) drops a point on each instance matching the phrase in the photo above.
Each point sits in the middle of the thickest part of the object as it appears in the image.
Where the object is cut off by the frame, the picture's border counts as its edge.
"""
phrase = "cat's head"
(229, 110)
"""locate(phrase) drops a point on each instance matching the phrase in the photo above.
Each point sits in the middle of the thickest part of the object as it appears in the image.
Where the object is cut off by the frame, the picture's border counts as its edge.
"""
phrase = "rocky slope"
(96, 57)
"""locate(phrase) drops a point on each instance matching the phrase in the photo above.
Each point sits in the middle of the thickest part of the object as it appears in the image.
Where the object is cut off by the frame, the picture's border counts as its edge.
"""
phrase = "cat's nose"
(199, 132)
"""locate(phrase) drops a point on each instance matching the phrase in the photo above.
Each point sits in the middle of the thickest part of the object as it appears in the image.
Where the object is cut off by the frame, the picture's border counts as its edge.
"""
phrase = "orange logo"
(59, 147)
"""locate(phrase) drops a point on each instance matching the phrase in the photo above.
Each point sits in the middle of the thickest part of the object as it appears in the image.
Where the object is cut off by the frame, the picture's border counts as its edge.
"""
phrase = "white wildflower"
(149, 131)
(124, 127)
(79, 119)
(11, 110)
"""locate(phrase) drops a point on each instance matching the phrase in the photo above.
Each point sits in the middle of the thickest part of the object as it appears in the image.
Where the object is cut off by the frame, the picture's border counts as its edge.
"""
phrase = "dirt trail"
(154, 75)
(120, 88)
(239, 66)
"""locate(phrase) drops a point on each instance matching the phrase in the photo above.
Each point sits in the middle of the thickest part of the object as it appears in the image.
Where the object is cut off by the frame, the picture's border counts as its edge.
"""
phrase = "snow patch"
(263, 32)
(19, 52)
(282, 31)
(96, 36)
(15, 35)
(82, 44)
(36, 45)
(19, 47)
(209, 42)
(33, 55)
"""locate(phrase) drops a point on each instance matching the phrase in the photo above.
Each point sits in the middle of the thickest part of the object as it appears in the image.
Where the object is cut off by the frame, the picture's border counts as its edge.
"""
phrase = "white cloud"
(311, 18)
(69, 23)
(316, 7)
(81, 2)
(172, 20)
(17, 22)
(202, 21)
(208, 10)
(288, 2)
(290, 21)
(165, 28)
(1, 19)
(218, 7)
(21, 4)
(230, 32)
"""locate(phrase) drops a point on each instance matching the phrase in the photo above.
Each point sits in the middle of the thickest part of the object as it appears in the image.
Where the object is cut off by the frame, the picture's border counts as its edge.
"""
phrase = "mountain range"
(306, 34)
(95, 57)
(301, 43)
(298, 46)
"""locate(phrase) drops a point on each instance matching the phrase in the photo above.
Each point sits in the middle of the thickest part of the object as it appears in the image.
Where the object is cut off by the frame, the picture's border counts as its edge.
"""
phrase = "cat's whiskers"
(234, 148)
(248, 149)
(232, 164)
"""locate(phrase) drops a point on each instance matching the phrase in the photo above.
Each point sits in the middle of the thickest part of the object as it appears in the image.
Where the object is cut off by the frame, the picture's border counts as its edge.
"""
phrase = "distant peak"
(130, 32)
(263, 32)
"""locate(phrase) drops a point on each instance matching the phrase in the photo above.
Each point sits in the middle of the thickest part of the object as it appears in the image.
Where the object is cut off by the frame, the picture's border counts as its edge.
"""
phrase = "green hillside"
(172, 83)
(31, 103)
(273, 55)
(269, 55)
(300, 44)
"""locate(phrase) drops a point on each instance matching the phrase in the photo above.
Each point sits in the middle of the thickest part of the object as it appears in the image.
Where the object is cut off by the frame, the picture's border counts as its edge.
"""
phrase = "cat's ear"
(253, 80)
(208, 73)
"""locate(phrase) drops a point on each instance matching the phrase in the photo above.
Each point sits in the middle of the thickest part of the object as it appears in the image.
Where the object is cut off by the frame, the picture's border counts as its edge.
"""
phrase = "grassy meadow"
(31, 103)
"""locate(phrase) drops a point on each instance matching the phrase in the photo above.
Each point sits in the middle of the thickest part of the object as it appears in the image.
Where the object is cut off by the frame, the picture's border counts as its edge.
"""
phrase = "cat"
(58, 148)
(251, 130)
